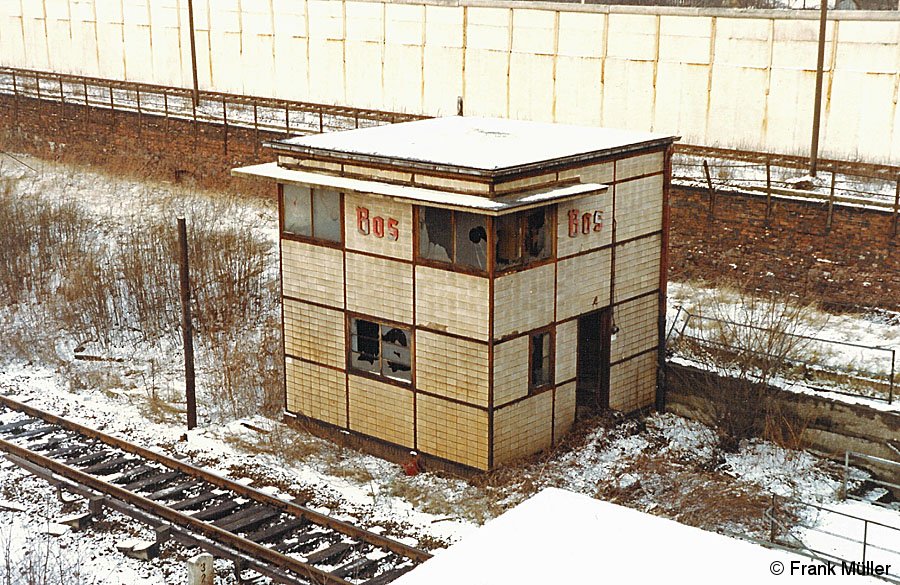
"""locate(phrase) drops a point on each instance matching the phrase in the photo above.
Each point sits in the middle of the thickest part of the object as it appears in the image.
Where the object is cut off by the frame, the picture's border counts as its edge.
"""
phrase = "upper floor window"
(383, 350)
(314, 213)
(454, 237)
(522, 238)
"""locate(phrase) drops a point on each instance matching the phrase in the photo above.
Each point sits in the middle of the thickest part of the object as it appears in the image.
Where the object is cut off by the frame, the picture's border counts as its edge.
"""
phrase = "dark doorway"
(592, 384)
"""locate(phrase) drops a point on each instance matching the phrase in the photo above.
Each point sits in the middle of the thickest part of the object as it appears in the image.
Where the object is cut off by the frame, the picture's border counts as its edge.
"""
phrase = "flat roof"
(423, 196)
(559, 536)
(474, 145)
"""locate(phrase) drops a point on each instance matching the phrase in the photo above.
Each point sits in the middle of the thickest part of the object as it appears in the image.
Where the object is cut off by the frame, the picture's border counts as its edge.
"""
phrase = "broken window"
(436, 234)
(540, 360)
(522, 238)
(314, 213)
(453, 237)
(379, 349)
(471, 240)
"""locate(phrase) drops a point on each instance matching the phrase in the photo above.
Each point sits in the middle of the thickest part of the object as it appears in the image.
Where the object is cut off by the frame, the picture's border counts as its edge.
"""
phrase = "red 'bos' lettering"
(584, 223)
(376, 225)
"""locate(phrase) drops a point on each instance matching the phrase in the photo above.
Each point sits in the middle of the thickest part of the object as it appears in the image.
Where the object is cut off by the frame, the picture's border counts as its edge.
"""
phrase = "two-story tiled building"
(458, 286)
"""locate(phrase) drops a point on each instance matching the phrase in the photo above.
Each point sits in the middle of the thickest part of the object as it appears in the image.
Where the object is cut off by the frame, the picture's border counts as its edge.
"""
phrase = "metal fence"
(227, 110)
(880, 189)
(831, 536)
(812, 362)
(861, 459)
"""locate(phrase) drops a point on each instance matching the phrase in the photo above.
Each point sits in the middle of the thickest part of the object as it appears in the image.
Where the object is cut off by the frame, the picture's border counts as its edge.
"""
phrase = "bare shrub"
(39, 239)
(42, 562)
(749, 339)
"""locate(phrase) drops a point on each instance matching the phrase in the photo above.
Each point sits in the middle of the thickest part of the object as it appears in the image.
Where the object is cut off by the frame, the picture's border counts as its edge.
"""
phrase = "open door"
(592, 382)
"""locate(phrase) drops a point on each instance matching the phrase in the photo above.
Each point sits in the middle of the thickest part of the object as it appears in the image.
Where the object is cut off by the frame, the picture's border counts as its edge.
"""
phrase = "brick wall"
(143, 145)
(855, 262)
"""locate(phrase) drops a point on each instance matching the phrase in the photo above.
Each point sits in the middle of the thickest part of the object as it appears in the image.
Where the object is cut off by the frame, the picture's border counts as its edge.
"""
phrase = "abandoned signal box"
(462, 286)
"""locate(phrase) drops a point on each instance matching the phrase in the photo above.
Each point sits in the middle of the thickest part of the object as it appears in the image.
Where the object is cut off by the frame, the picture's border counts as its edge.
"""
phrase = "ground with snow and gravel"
(661, 464)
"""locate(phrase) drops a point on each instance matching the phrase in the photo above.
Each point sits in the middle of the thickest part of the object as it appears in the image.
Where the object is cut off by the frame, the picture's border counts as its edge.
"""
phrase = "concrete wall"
(828, 426)
(715, 77)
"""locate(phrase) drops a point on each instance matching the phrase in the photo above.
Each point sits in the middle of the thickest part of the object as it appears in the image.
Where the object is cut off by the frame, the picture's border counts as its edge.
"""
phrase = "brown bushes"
(63, 270)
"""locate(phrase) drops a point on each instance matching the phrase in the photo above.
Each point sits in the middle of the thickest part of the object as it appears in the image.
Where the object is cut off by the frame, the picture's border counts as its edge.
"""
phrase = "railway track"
(267, 537)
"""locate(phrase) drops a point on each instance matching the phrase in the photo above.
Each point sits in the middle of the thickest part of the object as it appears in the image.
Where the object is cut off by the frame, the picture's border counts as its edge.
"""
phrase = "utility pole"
(817, 107)
(186, 328)
(196, 95)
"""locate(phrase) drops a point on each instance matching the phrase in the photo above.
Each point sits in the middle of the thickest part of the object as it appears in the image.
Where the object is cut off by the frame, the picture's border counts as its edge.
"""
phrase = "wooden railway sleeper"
(217, 511)
(277, 530)
(12, 428)
(174, 491)
(153, 481)
(134, 473)
(109, 466)
(195, 501)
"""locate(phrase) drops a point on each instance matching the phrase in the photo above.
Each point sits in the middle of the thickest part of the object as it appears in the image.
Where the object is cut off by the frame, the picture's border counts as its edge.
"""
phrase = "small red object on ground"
(413, 465)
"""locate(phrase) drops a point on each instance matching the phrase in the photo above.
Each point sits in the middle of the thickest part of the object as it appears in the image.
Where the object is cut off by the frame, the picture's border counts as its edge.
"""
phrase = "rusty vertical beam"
(186, 328)
(817, 106)
(196, 94)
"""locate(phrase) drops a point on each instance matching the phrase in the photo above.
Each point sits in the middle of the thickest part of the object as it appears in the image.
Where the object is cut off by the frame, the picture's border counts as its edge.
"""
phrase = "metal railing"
(878, 189)
(251, 112)
(829, 538)
(862, 459)
(700, 338)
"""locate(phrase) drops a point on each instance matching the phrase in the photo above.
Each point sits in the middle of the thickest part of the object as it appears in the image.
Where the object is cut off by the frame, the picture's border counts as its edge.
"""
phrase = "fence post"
(255, 129)
(225, 124)
(896, 208)
(137, 91)
(712, 191)
(186, 327)
(846, 474)
(830, 204)
(865, 538)
(16, 98)
(772, 525)
(768, 189)
(893, 373)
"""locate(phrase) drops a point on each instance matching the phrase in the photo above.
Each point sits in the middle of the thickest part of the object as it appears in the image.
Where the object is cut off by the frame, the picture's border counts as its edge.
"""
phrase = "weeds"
(65, 270)
(749, 339)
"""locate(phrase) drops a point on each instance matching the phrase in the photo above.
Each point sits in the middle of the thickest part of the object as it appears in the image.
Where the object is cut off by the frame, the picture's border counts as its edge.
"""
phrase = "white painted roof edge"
(419, 195)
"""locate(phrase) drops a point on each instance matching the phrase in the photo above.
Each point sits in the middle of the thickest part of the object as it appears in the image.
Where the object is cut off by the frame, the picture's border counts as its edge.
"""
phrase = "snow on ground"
(661, 464)
(562, 537)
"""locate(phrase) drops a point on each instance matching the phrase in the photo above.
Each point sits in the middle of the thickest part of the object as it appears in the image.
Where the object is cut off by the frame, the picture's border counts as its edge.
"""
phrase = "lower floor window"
(540, 360)
(380, 349)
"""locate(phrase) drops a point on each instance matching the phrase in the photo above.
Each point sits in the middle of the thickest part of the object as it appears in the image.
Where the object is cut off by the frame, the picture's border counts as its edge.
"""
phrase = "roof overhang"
(423, 196)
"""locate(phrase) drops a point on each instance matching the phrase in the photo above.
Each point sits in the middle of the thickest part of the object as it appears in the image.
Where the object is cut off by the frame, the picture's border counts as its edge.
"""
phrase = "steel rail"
(175, 517)
(303, 512)
(177, 533)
